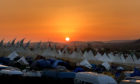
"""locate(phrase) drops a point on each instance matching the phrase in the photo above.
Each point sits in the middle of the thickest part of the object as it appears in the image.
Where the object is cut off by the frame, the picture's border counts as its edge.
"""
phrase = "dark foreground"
(19, 80)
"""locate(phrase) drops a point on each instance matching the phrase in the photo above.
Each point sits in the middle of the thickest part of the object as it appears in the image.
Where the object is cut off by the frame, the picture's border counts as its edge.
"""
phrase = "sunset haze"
(80, 20)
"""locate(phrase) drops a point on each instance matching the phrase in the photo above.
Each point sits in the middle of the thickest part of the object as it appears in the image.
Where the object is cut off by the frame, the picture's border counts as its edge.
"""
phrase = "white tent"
(111, 57)
(88, 55)
(98, 56)
(85, 55)
(85, 63)
(23, 61)
(60, 54)
(13, 55)
(135, 58)
(117, 58)
(122, 58)
(76, 55)
(65, 52)
(55, 54)
(49, 52)
(129, 59)
(106, 65)
(79, 52)
(105, 58)
(91, 55)
(73, 55)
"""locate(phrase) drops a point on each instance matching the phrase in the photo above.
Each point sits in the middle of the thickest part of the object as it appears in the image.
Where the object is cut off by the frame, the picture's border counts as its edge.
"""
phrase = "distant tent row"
(117, 58)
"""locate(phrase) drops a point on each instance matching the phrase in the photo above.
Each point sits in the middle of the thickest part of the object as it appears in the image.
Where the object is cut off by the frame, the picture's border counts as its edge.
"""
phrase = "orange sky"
(81, 20)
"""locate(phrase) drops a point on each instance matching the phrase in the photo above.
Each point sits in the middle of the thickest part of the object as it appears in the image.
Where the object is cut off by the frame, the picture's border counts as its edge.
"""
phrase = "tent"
(129, 59)
(73, 55)
(85, 63)
(90, 55)
(13, 55)
(23, 61)
(60, 54)
(122, 58)
(78, 54)
(55, 54)
(135, 58)
(79, 51)
(106, 65)
(111, 57)
(65, 52)
(117, 58)
(98, 56)
(105, 58)
(85, 55)
(49, 52)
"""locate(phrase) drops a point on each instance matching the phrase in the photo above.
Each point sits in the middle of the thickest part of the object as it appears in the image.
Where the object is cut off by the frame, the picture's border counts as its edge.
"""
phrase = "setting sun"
(67, 39)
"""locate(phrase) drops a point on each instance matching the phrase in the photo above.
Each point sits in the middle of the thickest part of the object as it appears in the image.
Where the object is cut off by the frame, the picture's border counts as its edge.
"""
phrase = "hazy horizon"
(27, 40)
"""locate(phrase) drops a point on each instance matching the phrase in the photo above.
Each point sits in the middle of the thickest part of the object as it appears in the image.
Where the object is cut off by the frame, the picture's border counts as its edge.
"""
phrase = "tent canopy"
(13, 55)
(85, 63)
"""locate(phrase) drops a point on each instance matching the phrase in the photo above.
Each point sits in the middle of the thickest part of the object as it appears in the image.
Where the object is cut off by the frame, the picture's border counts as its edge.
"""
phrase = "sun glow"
(67, 39)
